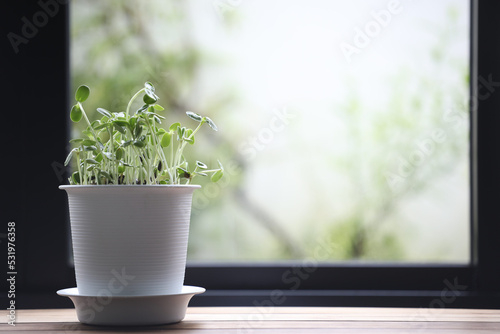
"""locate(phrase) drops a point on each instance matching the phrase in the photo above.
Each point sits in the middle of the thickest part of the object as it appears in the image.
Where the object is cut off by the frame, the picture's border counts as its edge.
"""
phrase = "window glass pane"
(343, 124)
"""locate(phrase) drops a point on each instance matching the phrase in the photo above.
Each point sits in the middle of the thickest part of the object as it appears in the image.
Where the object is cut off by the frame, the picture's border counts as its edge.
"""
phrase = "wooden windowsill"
(280, 320)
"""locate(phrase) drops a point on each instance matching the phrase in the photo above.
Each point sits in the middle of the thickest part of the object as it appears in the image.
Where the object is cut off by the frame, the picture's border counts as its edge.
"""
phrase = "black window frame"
(36, 78)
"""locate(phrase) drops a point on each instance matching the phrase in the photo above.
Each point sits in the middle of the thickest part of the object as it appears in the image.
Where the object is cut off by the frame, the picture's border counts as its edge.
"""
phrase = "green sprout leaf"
(88, 134)
(90, 148)
(158, 107)
(88, 142)
(137, 130)
(132, 121)
(104, 112)
(194, 116)
(121, 122)
(105, 174)
(119, 128)
(119, 153)
(217, 175)
(150, 97)
(166, 139)
(149, 86)
(76, 177)
(120, 125)
(70, 155)
(183, 173)
(82, 93)
(76, 113)
(139, 143)
(126, 143)
(201, 165)
(180, 132)
(142, 109)
(76, 140)
(174, 126)
(99, 157)
(211, 124)
(188, 136)
(102, 126)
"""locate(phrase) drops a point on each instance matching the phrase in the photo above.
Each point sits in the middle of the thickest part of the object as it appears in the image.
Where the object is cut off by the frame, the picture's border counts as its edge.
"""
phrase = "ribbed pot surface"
(129, 240)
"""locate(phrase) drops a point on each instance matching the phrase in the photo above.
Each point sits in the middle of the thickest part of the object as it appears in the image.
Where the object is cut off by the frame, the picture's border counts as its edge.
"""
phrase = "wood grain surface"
(278, 320)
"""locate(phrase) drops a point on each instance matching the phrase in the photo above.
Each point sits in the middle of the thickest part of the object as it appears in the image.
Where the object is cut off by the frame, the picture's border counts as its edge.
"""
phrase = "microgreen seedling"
(120, 148)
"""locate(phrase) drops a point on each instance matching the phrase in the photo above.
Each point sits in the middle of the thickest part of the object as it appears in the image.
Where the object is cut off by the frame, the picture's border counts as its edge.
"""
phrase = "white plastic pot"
(129, 240)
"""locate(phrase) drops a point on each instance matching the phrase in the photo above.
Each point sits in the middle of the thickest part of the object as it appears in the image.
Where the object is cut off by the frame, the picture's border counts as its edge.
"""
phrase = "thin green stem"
(127, 112)
(211, 170)
(183, 143)
(79, 168)
(85, 170)
(112, 147)
(140, 163)
(88, 122)
(156, 144)
(171, 160)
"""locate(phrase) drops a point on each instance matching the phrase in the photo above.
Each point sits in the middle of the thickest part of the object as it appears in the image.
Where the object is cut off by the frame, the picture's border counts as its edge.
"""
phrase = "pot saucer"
(131, 310)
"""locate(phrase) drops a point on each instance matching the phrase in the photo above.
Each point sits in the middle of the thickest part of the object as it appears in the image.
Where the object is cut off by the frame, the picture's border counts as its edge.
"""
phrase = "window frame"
(43, 64)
